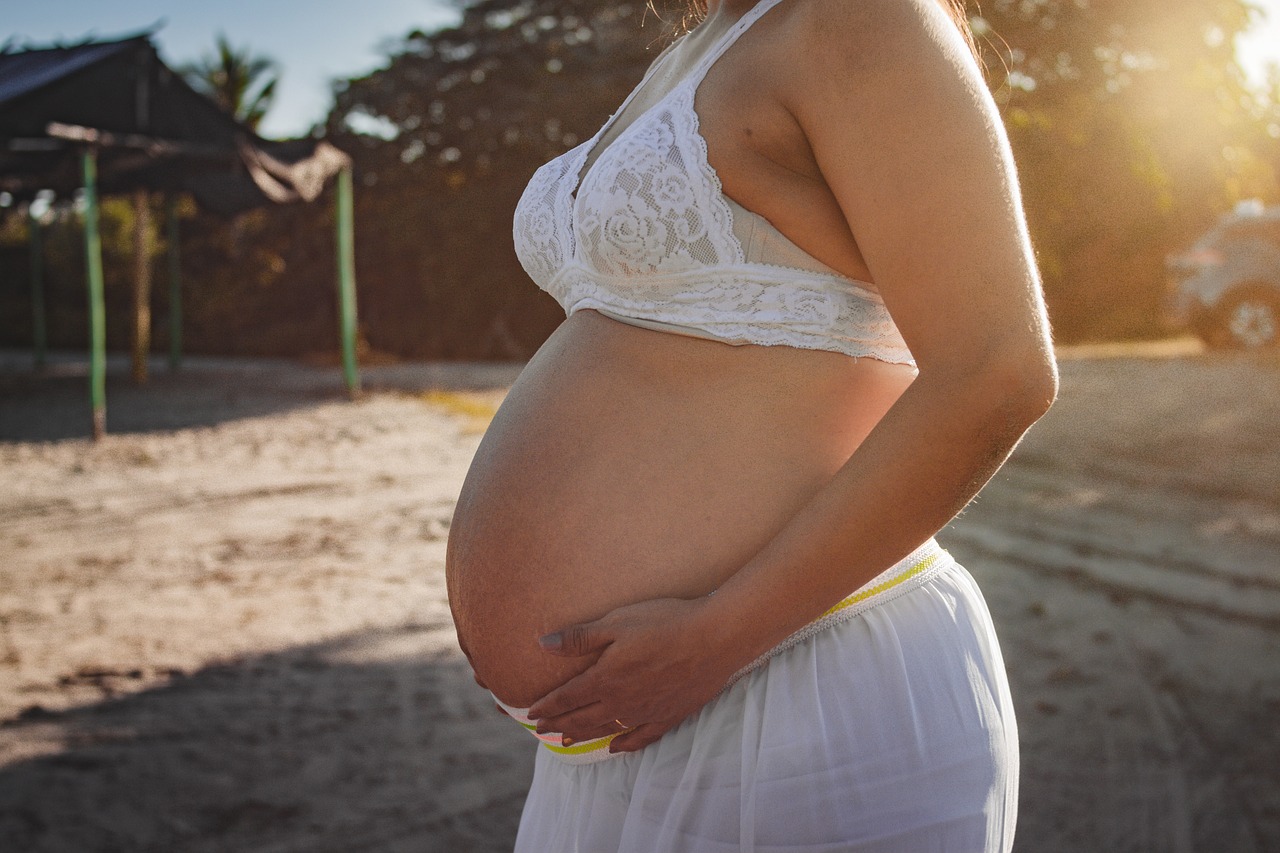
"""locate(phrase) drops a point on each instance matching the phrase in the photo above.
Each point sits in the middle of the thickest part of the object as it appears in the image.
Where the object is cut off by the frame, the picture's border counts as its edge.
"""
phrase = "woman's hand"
(659, 661)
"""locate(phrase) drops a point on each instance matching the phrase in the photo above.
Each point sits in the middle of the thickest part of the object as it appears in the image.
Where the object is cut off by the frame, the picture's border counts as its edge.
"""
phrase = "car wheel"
(1247, 320)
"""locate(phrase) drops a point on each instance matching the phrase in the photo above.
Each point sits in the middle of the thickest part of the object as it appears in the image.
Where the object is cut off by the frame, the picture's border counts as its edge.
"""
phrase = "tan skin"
(631, 472)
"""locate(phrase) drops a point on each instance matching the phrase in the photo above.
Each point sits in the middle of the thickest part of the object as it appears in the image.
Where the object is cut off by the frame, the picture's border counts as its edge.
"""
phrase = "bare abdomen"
(627, 464)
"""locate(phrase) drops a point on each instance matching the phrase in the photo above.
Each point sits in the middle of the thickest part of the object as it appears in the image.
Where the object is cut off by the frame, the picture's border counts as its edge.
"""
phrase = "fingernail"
(567, 741)
(551, 642)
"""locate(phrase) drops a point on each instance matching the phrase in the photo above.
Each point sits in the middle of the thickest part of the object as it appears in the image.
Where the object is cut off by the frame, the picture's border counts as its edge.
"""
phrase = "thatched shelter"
(110, 117)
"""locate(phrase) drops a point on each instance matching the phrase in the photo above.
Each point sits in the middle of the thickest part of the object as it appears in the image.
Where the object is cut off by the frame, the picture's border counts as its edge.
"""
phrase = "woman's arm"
(908, 139)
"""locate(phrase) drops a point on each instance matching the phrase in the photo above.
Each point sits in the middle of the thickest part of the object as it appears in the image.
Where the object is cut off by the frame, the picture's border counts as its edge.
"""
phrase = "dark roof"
(28, 70)
(151, 129)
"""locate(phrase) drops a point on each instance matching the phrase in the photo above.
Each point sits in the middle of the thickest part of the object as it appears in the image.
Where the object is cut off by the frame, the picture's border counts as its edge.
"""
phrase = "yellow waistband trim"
(580, 748)
(884, 587)
(576, 749)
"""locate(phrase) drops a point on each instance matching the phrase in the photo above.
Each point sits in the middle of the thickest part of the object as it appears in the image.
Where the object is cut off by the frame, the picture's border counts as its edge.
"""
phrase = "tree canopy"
(1133, 127)
(445, 138)
(238, 81)
(1132, 123)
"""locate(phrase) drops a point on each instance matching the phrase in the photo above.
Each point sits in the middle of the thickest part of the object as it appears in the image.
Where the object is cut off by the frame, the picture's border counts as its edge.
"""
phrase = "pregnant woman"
(694, 551)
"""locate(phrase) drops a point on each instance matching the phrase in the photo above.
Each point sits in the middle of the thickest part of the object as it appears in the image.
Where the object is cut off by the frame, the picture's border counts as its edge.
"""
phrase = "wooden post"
(97, 310)
(39, 330)
(175, 285)
(141, 283)
(347, 279)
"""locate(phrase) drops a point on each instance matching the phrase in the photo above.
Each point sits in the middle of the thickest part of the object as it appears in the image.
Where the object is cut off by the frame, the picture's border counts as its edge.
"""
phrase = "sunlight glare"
(1259, 47)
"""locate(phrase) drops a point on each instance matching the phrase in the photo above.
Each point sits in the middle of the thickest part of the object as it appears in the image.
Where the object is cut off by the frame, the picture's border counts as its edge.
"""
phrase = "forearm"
(923, 462)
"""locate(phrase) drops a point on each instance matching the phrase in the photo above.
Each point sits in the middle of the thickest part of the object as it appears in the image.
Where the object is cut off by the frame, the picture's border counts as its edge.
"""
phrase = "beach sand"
(224, 627)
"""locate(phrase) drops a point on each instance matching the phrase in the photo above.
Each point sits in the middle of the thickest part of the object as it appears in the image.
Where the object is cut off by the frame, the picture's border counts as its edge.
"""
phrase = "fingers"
(585, 725)
(577, 693)
(574, 710)
(579, 724)
(609, 728)
(640, 736)
(575, 640)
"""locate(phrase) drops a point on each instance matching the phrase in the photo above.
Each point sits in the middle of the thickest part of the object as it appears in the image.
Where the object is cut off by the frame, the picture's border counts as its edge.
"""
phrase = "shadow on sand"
(53, 404)
(375, 741)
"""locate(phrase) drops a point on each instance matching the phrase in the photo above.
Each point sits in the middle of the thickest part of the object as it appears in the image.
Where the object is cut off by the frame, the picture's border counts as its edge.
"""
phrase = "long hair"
(696, 10)
(955, 11)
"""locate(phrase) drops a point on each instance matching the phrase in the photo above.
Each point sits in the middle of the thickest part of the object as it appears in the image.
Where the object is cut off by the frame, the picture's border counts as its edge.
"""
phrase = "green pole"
(175, 287)
(347, 279)
(97, 311)
(39, 331)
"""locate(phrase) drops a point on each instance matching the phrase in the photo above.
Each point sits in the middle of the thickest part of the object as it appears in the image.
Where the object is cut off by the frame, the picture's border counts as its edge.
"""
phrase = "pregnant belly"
(627, 464)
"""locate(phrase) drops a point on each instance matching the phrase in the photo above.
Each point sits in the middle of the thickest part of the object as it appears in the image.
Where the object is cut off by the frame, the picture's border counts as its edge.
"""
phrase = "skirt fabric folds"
(892, 731)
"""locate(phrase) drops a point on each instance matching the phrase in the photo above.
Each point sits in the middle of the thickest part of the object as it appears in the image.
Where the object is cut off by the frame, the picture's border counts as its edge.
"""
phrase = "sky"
(316, 41)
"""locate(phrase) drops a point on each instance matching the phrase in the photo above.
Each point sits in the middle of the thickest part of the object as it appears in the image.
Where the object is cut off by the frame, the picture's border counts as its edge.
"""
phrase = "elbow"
(1012, 381)
(1037, 382)
(1014, 385)
(1026, 384)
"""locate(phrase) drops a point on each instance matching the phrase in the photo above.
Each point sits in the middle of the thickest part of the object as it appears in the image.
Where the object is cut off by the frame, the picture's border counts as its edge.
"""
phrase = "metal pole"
(141, 284)
(175, 286)
(97, 311)
(347, 279)
(39, 331)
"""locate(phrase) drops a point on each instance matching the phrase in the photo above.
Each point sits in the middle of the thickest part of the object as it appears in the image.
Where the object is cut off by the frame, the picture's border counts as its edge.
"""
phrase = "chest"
(649, 194)
(754, 143)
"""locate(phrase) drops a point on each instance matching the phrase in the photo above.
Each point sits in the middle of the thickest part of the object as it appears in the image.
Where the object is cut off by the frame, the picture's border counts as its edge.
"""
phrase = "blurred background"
(224, 625)
(1137, 127)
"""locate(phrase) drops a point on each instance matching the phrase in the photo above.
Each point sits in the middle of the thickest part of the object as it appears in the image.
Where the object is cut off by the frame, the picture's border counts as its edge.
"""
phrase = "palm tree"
(242, 84)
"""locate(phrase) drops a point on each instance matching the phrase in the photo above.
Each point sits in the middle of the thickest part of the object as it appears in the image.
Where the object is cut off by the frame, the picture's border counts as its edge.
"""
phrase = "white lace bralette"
(647, 236)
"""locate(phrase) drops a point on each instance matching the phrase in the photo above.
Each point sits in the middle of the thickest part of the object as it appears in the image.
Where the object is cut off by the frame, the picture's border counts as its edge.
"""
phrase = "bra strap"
(739, 27)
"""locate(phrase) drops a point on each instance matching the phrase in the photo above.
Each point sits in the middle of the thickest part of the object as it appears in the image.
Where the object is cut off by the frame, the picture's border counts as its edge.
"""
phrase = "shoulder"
(833, 41)
(881, 69)
(868, 23)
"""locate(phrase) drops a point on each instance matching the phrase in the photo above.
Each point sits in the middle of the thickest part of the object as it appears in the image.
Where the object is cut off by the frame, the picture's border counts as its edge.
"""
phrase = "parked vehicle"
(1226, 287)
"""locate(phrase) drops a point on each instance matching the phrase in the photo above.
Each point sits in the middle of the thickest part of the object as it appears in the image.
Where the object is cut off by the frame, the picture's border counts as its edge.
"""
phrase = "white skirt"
(891, 731)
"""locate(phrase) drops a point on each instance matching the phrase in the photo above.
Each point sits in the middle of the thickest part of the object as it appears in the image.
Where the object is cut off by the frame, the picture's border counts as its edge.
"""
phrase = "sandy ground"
(224, 627)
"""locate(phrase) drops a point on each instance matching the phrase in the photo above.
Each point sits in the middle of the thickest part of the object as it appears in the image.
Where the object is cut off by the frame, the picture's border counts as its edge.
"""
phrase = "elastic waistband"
(903, 576)
(914, 570)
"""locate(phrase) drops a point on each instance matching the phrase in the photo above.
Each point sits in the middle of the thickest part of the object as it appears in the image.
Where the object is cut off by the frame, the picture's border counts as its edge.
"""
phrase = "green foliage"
(1131, 122)
(64, 273)
(239, 82)
(462, 118)
(236, 296)
(1133, 128)
(1132, 125)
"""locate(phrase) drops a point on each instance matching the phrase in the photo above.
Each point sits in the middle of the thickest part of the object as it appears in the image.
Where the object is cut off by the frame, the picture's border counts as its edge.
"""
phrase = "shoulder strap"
(726, 41)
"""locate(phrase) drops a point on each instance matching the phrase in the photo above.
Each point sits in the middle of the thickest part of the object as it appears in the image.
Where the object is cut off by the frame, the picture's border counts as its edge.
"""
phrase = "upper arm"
(910, 143)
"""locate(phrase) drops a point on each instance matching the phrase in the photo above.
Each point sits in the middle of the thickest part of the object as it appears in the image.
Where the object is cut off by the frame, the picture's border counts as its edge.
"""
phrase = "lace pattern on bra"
(748, 304)
(647, 232)
(637, 211)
